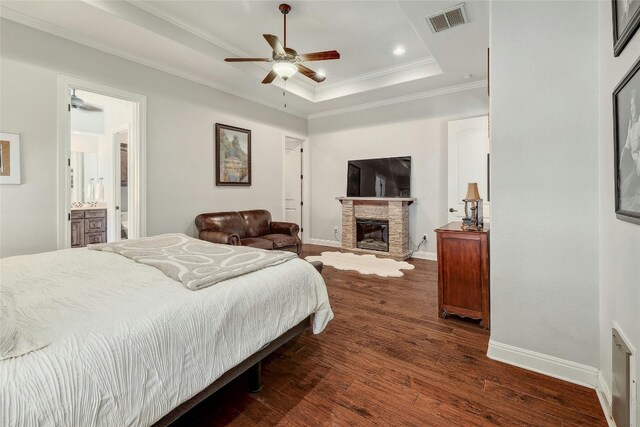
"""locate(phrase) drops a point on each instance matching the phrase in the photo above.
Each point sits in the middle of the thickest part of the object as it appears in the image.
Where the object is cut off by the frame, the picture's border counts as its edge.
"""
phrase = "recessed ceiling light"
(321, 73)
(398, 51)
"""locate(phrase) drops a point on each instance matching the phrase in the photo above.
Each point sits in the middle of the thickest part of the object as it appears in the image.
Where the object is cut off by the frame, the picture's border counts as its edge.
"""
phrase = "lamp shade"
(472, 192)
(285, 69)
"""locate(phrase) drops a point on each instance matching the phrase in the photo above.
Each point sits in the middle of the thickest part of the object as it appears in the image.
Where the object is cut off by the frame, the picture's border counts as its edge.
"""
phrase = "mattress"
(126, 344)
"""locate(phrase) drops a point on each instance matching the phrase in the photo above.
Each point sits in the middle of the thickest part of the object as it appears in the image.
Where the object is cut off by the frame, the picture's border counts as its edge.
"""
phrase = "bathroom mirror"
(84, 176)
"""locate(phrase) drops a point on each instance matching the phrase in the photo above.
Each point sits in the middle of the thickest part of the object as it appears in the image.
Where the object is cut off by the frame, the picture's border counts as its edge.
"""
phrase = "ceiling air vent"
(446, 19)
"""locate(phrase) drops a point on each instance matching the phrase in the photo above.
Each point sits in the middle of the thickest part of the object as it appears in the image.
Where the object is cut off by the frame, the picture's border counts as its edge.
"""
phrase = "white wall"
(180, 144)
(417, 129)
(544, 227)
(619, 240)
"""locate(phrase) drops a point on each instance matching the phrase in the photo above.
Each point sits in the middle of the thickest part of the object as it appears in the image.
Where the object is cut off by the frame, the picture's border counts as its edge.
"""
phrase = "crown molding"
(186, 27)
(55, 30)
(401, 99)
(378, 73)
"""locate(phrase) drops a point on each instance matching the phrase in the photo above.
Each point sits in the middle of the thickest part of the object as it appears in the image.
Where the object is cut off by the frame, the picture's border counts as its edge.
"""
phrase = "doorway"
(293, 181)
(468, 161)
(101, 179)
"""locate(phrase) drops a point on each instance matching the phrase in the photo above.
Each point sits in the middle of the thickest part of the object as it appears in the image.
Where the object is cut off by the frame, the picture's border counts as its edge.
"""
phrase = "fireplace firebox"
(372, 234)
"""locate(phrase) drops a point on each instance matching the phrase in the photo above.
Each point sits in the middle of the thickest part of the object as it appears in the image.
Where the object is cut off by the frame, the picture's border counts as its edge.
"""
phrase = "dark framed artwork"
(233, 155)
(626, 142)
(626, 20)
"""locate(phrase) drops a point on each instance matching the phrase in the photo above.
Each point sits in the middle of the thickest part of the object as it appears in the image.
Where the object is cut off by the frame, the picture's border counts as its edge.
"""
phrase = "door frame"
(137, 155)
(117, 195)
(450, 171)
(304, 142)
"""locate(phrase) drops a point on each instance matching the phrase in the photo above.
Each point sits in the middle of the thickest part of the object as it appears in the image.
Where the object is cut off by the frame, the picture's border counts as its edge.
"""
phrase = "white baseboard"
(604, 396)
(321, 242)
(544, 364)
(432, 256)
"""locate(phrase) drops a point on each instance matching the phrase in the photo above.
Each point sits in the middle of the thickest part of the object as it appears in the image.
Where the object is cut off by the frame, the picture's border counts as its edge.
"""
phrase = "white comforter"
(128, 344)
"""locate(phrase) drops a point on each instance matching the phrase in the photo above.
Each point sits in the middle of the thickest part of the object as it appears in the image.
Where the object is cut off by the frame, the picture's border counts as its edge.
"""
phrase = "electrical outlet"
(424, 236)
(335, 228)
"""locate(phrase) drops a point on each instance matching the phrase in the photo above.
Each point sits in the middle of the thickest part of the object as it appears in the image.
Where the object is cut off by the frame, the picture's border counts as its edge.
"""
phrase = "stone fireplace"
(376, 225)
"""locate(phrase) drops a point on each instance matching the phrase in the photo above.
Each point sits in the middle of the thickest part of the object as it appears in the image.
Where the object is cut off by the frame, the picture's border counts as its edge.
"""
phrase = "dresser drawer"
(94, 225)
(92, 238)
(95, 213)
(77, 214)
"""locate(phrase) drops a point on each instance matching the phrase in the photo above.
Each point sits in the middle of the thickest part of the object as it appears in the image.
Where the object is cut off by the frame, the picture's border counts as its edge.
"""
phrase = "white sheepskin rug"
(363, 264)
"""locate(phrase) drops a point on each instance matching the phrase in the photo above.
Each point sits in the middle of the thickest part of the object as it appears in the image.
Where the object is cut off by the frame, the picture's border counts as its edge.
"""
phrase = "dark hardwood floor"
(387, 359)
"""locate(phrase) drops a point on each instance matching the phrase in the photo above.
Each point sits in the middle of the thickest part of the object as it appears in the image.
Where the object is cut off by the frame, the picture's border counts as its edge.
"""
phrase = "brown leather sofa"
(249, 228)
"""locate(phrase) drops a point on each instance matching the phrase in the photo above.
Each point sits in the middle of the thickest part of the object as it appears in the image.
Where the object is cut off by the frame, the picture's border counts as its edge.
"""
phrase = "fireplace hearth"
(372, 234)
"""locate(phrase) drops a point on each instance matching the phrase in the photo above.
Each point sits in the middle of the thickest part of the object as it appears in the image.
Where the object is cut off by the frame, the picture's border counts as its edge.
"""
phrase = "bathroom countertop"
(87, 208)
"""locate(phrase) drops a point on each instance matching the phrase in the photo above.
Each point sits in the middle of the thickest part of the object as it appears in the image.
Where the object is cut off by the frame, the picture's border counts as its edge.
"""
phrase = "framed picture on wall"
(233, 155)
(9, 158)
(626, 142)
(626, 20)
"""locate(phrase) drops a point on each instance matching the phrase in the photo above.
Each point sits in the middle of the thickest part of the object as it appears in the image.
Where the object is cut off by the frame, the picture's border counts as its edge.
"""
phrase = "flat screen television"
(387, 177)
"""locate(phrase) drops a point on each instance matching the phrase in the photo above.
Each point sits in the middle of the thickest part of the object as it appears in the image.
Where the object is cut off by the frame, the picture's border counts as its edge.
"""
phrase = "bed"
(127, 345)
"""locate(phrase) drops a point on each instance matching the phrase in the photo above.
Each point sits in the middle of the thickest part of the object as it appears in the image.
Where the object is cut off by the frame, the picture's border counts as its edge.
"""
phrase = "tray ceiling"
(191, 39)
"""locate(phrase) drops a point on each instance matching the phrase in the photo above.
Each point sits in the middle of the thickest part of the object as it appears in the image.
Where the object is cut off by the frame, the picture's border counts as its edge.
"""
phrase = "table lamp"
(472, 208)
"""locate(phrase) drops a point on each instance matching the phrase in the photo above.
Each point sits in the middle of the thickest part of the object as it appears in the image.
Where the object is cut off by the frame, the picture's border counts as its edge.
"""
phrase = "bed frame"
(252, 365)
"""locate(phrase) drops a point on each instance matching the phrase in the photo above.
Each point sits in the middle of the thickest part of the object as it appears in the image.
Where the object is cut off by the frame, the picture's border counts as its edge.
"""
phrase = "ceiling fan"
(286, 60)
(79, 104)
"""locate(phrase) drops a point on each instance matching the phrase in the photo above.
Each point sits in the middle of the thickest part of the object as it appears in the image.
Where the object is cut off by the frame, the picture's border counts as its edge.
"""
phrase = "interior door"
(468, 161)
(121, 189)
(293, 181)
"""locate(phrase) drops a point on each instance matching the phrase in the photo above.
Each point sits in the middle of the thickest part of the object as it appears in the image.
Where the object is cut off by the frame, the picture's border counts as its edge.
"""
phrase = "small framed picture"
(233, 155)
(626, 20)
(626, 142)
(9, 158)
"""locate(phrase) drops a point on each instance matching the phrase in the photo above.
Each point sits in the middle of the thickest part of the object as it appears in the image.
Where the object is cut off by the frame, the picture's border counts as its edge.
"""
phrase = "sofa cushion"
(256, 222)
(255, 242)
(281, 240)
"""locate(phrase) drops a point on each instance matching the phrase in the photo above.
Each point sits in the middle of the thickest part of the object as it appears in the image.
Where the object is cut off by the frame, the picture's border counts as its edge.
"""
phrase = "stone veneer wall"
(348, 225)
(396, 212)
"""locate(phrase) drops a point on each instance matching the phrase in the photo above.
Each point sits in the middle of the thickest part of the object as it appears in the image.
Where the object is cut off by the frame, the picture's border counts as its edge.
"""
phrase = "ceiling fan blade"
(320, 56)
(275, 44)
(272, 75)
(88, 107)
(247, 59)
(310, 73)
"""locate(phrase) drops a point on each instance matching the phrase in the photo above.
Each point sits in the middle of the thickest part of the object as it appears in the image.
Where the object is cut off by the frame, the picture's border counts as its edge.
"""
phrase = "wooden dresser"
(88, 226)
(463, 272)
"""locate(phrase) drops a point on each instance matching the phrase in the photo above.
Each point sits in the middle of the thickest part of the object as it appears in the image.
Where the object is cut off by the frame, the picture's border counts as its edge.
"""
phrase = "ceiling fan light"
(285, 69)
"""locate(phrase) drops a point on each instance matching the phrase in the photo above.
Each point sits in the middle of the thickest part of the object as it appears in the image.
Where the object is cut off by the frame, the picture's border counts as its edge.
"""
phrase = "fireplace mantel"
(409, 200)
(395, 210)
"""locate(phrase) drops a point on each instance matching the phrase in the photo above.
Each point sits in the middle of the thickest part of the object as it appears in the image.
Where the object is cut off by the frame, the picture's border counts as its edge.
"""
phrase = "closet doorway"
(101, 157)
(293, 209)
